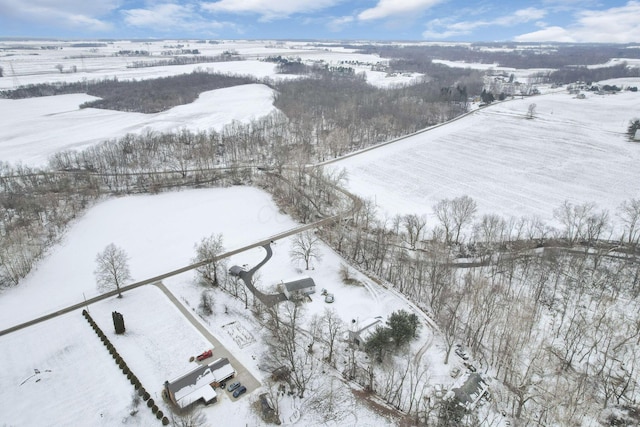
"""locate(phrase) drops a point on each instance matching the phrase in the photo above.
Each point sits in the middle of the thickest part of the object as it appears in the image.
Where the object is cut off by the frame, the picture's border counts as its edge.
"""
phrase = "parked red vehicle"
(207, 354)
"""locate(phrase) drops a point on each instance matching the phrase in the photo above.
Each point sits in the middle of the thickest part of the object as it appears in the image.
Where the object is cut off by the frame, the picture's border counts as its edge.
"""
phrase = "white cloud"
(390, 8)
(269, 9)
(161, 16)
(442, 29)
(169, 16)
(614, 25)
(338, 24)
(64, 13)
(554, 33)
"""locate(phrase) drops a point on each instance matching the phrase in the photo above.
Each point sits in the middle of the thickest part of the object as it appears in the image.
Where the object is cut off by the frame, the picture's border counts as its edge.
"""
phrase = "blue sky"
(432, 20)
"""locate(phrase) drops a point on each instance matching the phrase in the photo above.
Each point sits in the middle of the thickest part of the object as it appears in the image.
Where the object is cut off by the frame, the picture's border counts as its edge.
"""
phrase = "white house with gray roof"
(301, 287)
(199, 384)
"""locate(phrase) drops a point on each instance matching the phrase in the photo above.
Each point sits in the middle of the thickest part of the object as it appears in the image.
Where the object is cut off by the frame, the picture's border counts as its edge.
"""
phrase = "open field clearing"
(78, 381)
(38, 127)
(157, 232)
(574, 149)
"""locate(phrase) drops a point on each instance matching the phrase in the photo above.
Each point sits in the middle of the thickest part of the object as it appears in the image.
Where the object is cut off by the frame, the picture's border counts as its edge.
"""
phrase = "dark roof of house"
(297, 285)
(473, 386)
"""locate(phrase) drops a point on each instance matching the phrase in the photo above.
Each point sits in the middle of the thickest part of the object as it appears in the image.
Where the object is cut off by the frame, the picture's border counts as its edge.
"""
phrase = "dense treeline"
(514, 55)
(184, 60)
(338, 113)
(143, 96)
(35, 208)
(583, 74)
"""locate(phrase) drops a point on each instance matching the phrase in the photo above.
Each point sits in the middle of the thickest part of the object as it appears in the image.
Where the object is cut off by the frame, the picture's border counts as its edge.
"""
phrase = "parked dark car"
(462, 354)
(239, 391)
(233, 386)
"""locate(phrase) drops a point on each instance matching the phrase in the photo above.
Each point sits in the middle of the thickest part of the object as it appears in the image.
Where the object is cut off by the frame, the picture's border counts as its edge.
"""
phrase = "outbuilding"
(299, 288)
(364, 329)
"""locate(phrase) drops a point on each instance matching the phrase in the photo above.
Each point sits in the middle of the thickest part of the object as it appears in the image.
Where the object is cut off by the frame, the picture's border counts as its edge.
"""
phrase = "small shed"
(297, 288)
(364, 329)
(198, 384)
(236, 270)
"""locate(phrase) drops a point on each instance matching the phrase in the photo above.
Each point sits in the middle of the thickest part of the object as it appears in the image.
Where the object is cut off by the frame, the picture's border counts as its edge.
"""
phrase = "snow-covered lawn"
(157, 232)
(78, 382)
(35, 128)
(574, 149)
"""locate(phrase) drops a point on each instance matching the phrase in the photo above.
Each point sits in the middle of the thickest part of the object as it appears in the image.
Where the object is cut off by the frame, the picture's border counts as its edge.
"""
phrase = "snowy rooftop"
(299, 283)
(195, 385)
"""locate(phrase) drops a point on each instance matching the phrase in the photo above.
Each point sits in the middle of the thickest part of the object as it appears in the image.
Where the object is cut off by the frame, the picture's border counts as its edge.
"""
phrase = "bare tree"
(442, 210)
(112, 269)
(207, 252)
(573, 218)
(192, 418)
(306, 247)
(414, 225)
(463, 209)
(332, 328)
(629, 212)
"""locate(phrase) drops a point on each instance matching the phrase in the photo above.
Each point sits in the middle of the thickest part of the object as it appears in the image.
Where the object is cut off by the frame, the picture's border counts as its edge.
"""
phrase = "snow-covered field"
(574, 149)
(35, 128)
(157, 232)
(59, 373)
(27, 63)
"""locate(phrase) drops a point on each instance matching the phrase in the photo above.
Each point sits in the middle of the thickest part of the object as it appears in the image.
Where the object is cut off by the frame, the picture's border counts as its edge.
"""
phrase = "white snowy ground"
(574, 149)
(24, 62)
(84, 385)
(157, 232)
(78, 381)
(35, 128)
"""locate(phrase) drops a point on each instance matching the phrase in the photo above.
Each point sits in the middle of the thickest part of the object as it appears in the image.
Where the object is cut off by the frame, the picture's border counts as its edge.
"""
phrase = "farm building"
(364, 330)
(301, 287)
(198, 384)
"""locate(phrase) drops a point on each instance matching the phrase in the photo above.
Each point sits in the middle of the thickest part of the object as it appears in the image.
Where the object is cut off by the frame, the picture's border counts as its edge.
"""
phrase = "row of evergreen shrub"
(135, 382)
